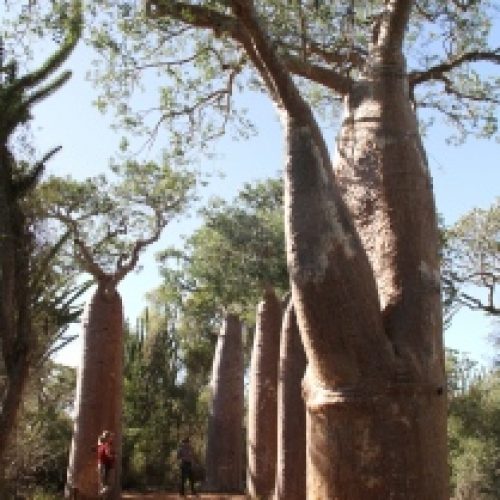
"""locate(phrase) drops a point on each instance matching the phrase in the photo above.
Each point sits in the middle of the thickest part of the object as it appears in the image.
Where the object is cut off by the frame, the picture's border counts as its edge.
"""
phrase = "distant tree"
(262, 420)
(159, 406)
(22, 275)
(291, 413)
(224, 457)
(110, 225)
(224, 267)
(471, 261)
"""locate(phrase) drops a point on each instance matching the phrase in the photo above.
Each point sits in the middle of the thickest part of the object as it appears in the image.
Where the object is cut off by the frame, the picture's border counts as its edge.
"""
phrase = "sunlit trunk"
(99, 393)
(224, 456)
(262, 399)
(291, 454)
(376, 407)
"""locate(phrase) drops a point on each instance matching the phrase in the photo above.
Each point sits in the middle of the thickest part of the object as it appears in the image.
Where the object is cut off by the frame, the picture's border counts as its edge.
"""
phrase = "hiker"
(185, 455)
(105, 461)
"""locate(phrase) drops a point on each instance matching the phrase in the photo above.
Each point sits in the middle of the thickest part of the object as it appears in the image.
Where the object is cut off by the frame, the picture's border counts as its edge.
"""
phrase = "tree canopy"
(190, 49)
(471, 267)
(111, 222)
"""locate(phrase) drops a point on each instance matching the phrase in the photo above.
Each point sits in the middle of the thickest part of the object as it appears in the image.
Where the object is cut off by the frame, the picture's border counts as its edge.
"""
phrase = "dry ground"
(173, 496)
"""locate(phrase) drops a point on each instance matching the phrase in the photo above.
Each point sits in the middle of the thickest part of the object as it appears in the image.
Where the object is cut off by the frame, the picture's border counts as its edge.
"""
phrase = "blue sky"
(464, 177)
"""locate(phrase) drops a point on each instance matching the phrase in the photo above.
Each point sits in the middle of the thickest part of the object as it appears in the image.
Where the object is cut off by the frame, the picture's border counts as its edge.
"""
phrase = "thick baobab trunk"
(262, 399)
(99, 393)
(291, 455)
(377, 417)
(383, 174)
(364, 284)
(224, 457)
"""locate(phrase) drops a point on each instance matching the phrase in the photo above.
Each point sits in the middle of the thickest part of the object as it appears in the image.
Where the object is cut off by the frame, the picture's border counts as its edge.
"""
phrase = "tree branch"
(195, 15)
(56, 60)
(319, 74)
(438, 71)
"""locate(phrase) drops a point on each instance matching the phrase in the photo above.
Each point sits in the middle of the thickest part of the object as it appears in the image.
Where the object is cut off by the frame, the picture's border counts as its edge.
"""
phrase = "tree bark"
(374, 387)
(16, 335)
(262, 399)
(291, 454)
(224, 456)
(99, 393)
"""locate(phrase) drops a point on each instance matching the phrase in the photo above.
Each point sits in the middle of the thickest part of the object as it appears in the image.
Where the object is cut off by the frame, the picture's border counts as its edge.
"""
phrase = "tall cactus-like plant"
(18, 95)
(224, 456)
(291, 454)
(262, 399)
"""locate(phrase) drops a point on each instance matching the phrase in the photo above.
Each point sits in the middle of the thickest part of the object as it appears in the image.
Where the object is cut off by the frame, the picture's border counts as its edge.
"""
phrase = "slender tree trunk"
(224, 457)
(262, 399)
(99, 393)
(291, 455)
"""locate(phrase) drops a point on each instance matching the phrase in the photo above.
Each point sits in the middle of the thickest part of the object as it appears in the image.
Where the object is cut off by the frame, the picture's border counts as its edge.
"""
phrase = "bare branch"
(319, 74)
(438, 71)
(195, 15)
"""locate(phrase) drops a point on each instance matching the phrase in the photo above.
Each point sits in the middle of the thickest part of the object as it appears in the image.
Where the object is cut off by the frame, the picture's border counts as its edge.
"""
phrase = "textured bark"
(364, 279)
(99, 392)
(362, 255)
(16, 336)
(224, 456)
(262, 399)
(291, 454)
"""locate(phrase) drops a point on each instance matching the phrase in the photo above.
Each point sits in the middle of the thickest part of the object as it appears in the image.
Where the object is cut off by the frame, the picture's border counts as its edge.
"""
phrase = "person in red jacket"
(105, 461)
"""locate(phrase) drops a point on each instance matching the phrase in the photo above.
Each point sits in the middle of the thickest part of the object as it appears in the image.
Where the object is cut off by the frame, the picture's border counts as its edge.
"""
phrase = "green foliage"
(474, 440)
(224, 266)
(471, 261)
(159, 406)
(192, 56)
(30, 320)
(237, 251)
(111, 222)
(37, 459)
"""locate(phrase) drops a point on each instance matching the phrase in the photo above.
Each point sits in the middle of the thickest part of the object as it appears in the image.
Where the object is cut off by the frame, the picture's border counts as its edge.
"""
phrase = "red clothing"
(105, 455)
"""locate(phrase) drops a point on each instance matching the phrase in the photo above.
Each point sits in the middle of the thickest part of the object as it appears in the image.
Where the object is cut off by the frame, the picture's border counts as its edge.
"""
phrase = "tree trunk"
(364, 277)
(262, 399)
(16, 335)
(291, 456)
(224, 456)
(390, 439)
(99, 393)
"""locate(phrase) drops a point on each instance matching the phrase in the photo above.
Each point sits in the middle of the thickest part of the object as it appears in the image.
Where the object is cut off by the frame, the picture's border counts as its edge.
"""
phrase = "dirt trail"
(173, 496)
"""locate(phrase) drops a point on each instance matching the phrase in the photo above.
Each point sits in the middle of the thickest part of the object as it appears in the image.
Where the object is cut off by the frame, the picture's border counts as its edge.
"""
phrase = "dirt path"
(173, 496)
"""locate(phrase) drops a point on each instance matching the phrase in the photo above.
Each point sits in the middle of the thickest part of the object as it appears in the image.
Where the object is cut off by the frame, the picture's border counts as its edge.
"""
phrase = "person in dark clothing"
(185, 455)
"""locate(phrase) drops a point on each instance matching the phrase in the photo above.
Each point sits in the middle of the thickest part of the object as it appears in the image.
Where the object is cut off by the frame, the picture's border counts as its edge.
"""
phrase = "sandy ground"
(173, 496)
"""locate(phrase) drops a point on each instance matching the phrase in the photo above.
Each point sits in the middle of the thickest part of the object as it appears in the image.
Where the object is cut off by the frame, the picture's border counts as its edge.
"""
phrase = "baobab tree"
(262, 398)
(361, 231)
(19, 270)
(110, 225)
(224, 455)
(291, 412)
